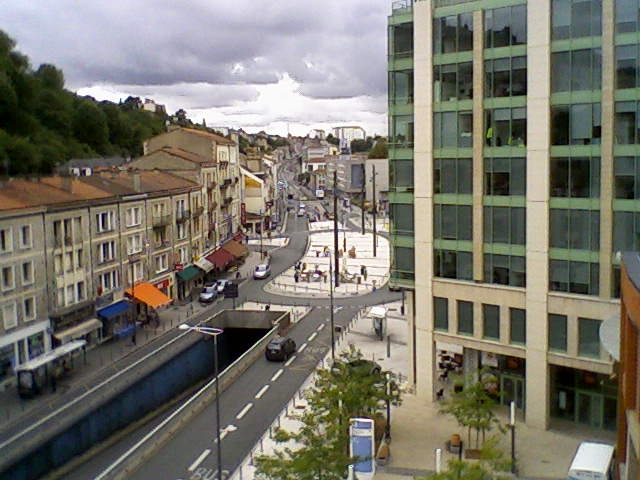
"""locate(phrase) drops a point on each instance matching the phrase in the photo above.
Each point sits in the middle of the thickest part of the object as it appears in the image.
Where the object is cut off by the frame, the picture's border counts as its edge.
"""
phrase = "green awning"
(189, 273)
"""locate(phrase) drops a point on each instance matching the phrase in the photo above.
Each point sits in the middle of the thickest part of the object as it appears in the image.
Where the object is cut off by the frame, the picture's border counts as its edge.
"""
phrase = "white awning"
(450, 347)
(610, 336)
(79, 330)
(380, 312)
(203, 264)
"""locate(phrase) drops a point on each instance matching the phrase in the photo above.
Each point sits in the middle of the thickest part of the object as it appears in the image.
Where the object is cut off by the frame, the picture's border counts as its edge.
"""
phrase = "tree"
(333, 140)
(90, 125)
(472, 407)
(379, 149)
(350, 387)
(359, 145)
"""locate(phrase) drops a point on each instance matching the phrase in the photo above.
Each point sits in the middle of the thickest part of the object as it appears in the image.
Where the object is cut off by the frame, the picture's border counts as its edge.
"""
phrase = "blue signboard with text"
(361, 446)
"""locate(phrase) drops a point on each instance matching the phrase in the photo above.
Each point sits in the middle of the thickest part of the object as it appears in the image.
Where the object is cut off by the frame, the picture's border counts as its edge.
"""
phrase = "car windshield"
(209, 289)
(261, 268)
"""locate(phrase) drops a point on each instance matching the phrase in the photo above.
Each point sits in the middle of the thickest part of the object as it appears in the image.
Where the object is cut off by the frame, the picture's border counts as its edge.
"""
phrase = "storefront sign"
(162, 284)
(178, 267)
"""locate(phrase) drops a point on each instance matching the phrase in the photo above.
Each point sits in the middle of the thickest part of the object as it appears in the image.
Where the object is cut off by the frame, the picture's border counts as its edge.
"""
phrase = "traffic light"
(230, 290)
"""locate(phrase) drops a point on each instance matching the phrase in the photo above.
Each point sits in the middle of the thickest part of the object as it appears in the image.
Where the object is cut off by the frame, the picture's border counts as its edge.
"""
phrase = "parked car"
(280, 349)
(221, 284)
(209, 293)
(262, 271)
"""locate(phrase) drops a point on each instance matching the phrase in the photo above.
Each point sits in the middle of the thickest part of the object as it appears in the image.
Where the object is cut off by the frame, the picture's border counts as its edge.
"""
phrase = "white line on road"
(320, 327)
(277, 374)
(262, 390)
(244, 411)
(290, 361)
(312, 336)
(199, 460)
(302, 347)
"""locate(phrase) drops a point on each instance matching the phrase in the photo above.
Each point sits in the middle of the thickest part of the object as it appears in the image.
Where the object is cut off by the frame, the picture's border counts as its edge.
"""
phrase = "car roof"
(279, 340)
(262, 266)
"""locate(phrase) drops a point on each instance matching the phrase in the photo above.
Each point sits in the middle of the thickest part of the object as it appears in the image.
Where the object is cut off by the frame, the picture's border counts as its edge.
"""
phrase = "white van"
(302, 210)
(593, 461)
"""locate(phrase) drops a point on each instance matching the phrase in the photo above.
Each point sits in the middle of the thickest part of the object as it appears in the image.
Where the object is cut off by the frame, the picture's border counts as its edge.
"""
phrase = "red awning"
(220, 258)
(239, 237)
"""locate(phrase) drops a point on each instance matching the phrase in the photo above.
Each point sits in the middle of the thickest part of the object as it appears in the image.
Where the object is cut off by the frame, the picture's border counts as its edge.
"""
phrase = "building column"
(423, 200)
(537, 248)
(478, 143)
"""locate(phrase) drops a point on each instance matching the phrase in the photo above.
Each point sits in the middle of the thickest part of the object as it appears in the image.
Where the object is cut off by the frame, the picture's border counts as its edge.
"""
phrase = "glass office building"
(514, 184)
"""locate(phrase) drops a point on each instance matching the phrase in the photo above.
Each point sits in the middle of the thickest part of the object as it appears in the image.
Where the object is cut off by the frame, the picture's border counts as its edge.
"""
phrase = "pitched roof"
(184, 154)
(216, 138)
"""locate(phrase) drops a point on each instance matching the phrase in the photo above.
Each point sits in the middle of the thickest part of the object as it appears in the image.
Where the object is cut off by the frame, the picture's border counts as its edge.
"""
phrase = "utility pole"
(333, 328)
(335, 229)
(375, 208)
(362, 194)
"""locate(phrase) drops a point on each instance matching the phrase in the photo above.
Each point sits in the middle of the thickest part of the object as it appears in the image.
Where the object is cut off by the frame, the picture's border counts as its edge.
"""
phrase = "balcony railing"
(211, 185)
(402, 6)
(182, 216)
(161, 244)
(161, 220)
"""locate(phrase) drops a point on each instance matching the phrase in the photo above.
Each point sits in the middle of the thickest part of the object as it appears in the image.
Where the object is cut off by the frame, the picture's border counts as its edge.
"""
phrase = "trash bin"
(358, 280)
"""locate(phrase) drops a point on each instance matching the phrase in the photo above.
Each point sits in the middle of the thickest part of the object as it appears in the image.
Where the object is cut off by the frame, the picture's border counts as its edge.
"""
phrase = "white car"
(262, 271)
(221, 284)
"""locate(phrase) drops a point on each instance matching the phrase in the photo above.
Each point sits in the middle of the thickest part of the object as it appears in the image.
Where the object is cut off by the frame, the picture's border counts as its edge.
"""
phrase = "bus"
(37, 373)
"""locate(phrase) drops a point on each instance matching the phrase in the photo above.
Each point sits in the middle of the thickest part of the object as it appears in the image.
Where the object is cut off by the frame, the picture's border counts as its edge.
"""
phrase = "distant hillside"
(42, 124)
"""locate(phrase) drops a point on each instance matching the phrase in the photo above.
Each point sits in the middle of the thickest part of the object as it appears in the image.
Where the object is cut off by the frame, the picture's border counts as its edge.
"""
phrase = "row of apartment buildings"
(73, 247)
(513, 165)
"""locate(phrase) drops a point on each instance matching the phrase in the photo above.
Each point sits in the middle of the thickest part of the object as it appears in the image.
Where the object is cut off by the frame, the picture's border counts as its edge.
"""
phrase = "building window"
(71, 295)
(401, 87)
(105, 222)
(106, 251)
(574, 277)
(134, 244)
(575, 177)
(136, 271)
(575, 19)
(453, 81)
(402, 263)
(9, 316)
(6, 240)
(576, 70)
(557, 332)
(162, 263)
(108, 281)
(452, 222)
(452, 175)
(506, 127)
(453, 264)
(29, 308)
(181, 231)
(465, 317)
(505, 26)
(517, 326)
(505, 225)
(401, 40)
(453, 33)
(505, 270)
(505, 176)
(505, 77)
(8, 278)
(627, 16)
(627, 66)
(577, 124)
(400, 174)
(401, 216)
(134, 216)
(27, 273)
(440, 313)
(453, 129)
(491, 322)
(401, 133)
(627, 123)
(26, 240)
(79, 259)
(626, 171)
(626, 231)
(80, 291)
(574, 229)
(588, 337)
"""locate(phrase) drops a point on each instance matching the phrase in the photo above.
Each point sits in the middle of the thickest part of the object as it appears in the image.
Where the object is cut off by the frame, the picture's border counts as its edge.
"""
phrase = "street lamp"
(214, 332)
(333, 334)
(512, 426)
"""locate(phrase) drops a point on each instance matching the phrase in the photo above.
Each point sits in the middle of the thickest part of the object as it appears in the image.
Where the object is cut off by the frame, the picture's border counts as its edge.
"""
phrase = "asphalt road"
(251, 404)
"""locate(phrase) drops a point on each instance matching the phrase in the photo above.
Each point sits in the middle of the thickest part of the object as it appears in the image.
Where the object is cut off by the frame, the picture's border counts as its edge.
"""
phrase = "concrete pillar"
(478, 142)
(537, 248)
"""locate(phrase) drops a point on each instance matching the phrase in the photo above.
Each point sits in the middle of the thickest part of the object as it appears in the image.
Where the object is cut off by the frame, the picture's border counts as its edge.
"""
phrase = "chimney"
(67, 183)
(136, 182)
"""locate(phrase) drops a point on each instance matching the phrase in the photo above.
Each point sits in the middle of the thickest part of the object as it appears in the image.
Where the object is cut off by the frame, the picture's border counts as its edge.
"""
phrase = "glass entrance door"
(512, 388)
(590, 409)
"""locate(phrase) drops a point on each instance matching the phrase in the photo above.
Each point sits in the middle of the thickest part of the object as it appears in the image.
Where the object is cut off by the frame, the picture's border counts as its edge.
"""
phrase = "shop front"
(150, 298)
(19, 347)
(76, 322)
(117, 319)
(187, 279)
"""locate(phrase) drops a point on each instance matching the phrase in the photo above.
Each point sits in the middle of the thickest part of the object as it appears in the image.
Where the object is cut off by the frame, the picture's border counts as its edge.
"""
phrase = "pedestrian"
(364, 274)
(296, 277)
(133, 338)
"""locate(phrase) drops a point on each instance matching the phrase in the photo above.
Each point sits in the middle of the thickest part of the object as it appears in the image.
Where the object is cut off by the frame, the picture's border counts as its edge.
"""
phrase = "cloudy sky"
(256, 64)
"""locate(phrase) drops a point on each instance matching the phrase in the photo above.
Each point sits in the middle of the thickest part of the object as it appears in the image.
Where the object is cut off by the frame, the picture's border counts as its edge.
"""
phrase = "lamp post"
(214, 332)
(512, 427)
(375, 209)
(333, 333)
(387, 427)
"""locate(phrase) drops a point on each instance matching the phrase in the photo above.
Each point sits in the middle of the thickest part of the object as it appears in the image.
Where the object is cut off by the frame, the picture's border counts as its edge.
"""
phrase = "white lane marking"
(199, 460)
(320, 327)
(244, 411)
(277, 374)
(302, 347)
(312, 336)
(288, 362)
(262, 390)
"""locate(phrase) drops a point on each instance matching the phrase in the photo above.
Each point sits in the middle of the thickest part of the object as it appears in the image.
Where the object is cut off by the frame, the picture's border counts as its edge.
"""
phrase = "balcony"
(160, 221)
(199, 210)
(211, 185)
(227, 201)
(212, 206)
(161, 244)
(182, 216)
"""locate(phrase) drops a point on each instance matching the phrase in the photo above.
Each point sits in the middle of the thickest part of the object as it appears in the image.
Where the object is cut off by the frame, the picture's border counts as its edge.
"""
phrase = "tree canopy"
(43, 124)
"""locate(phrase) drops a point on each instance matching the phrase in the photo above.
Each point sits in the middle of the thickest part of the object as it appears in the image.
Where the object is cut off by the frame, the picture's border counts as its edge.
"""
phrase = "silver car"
(262, 271)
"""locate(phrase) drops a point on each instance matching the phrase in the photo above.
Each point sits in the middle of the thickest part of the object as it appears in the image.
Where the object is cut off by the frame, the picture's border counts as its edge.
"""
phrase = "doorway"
(512, 388)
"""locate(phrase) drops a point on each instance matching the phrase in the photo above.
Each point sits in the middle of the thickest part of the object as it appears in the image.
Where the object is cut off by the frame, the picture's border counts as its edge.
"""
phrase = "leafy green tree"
(50, 77)
(90, 125)
(333, 140)
(473, 406)
(359, 145)
(380, 149)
